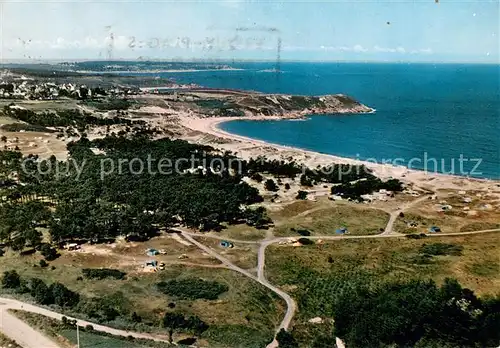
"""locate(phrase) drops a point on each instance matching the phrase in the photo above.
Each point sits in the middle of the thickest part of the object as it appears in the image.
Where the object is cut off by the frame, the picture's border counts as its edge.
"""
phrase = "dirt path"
(261, 278)
(22, 333)
(394, 215)
(27, 337)
(291, 306)
(30, 338)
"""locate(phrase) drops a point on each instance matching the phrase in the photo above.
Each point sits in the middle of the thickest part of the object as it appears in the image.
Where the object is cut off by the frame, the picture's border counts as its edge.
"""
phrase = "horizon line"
(27, 61)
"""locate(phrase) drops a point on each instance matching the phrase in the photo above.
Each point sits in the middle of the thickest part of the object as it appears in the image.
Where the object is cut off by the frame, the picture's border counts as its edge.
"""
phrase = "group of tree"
(365, 186)
(125, 201)
(120, 191)
(55, 293)
(417, 314)
(175, 321)
(257, 217)
(270, 185)
(19, 222)
(286, 340)
(278, 168)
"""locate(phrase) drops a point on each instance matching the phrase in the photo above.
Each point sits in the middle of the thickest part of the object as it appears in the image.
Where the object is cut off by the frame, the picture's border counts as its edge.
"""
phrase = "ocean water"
(437, 117)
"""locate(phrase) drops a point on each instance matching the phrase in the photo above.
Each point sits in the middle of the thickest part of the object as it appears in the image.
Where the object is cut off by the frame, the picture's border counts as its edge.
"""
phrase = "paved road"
(29, 338)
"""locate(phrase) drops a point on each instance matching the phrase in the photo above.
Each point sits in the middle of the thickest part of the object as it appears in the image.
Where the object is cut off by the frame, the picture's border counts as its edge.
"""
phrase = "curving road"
(27, 337)
(291, 306)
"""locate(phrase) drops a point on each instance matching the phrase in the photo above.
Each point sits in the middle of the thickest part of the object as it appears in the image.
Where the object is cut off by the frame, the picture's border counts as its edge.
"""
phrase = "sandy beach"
(247, 147)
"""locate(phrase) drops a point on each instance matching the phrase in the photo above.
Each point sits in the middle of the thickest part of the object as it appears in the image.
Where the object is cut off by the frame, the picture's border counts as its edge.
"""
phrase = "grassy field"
(41, 105)
(242, 255)
(324, 218)
(6, 120)
(242, 232)
(314, 274)
(246, 310)
(393, 259)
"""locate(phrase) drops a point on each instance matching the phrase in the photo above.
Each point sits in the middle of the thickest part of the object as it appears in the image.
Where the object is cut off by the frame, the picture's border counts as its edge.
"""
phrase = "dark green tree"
(173, 321)
(11, 280)
(270, 185)
(63, 297)
(286, 340)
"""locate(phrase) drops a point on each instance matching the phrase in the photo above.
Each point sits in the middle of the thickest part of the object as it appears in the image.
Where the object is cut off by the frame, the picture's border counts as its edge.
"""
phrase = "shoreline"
(245, 145)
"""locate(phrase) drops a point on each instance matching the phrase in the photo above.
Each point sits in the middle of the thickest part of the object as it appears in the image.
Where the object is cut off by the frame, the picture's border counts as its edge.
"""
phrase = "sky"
(335, 30)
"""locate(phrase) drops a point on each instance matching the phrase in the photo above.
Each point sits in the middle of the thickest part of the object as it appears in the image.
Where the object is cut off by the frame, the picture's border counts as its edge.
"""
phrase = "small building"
(72, 246)
(151, 263)
(412, 224)
(226, 244)
(152, 252)
(341, 230)
(434, 229)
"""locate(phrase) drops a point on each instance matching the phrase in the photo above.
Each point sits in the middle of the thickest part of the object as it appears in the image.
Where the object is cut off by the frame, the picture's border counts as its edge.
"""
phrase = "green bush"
(101, 273)
(305, 241)
(193, 288)
(301, 195)
(270, 185)
(11, 280)
(437, 249)
(48, 252)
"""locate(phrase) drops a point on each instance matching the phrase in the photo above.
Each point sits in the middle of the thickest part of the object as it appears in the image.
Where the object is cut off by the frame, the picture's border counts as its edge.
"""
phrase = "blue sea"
(438, 117)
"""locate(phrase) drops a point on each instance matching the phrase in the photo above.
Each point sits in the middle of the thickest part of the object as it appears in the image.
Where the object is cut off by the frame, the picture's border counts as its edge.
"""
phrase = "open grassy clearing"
(36, 143)
(42, 105)
(6, 120)
(315, 274)
(293, 209)
(325, 217)
(90, 340)
(393, 259)
(246, 310)
(176, 250)
(242, 232)
(242, 255)
(129, 257)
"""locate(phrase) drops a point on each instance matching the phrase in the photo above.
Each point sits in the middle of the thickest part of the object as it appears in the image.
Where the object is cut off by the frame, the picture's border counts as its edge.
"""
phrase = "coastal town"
(240, 253)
